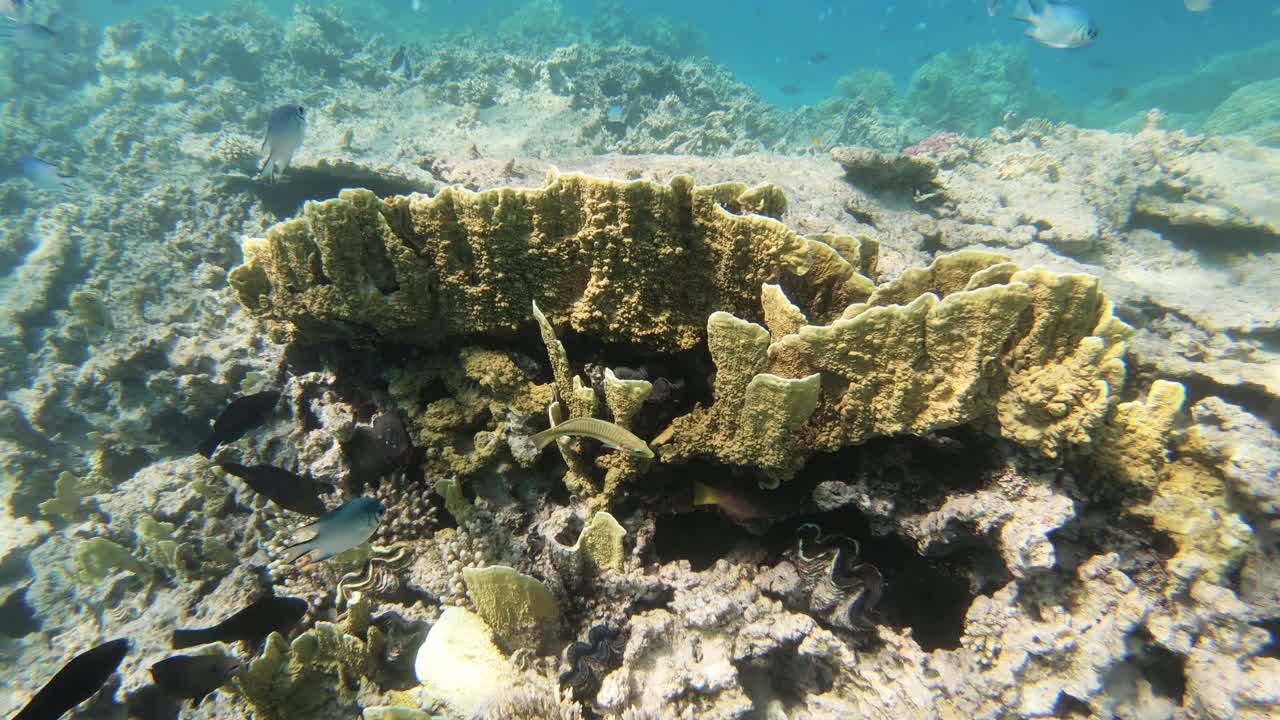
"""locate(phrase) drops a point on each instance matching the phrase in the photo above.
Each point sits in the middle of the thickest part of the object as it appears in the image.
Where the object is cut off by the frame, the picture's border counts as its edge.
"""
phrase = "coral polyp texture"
(633, 262)
(971, 338)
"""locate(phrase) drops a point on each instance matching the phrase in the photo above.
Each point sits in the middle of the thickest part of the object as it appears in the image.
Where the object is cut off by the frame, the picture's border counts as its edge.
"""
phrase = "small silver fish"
(993, 6)
(1055, 25)
(606, 432)
(285, 128)
(43, 173)
(14, 8)
(340, 530)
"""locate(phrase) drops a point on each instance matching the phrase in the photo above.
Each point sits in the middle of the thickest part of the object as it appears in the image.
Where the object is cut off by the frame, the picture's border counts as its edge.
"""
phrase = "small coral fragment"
(68, 498)
(601, 543)
(98, 556)
(521, 610)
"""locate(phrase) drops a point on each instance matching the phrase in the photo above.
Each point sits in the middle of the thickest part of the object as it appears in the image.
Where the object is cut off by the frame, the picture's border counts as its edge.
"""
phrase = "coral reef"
(1053, 514)
(472, 267)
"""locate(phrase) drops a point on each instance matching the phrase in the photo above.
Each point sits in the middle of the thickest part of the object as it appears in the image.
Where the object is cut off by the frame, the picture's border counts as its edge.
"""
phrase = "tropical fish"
(606, 432)
(251, 625)
(43, 173)
(340, 530)
(818, 58)
(741, 506)
(993, 6)
(76, 682)
(1056, 25)
(288, 490)
(193, 676)
(28, 35)
(239, 417)
(1198, 5)
(285, 128)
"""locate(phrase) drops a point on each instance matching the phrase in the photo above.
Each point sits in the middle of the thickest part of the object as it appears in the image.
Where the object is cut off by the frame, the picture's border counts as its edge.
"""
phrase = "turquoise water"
(771, 47)
(964, 401)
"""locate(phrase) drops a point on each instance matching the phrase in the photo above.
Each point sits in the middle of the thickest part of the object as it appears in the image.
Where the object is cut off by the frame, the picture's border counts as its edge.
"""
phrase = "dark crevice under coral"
(1142, 549)
(1213, 245)
(285, 197)
(1161, 667)
(1271, 649)
(930, 595)
(17, 618)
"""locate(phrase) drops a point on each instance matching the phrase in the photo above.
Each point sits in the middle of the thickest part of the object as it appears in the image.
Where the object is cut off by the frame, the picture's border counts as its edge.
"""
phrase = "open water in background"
(770, 44)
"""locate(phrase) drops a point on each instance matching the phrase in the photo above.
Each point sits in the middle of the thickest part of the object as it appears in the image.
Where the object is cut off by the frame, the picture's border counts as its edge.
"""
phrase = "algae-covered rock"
(521, 610)
(634, 262)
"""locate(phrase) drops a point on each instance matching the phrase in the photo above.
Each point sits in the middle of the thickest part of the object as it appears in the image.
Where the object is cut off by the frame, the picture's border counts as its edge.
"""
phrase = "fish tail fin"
(542, 439)
(703, 494)
(190, 638)
(297, 550)
(1027, 10)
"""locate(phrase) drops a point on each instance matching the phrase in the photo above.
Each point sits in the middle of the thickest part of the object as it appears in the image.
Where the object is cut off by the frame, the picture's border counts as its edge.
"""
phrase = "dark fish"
(288, 490)
(76, 682)
(251, 625)
(376, 451)
(397, 59)
(1118, 94)
(193, 676)
(241, 416)
(790, 90)
(818, 58)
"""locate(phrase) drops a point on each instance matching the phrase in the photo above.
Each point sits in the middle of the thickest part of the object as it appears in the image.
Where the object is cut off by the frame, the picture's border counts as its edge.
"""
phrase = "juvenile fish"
(192, 677)
(239, 417)
(76, 682)
(743, 506)
(42, 173)
(288, 490)
(340, 530)
(285, 128)
(1056, 25)
(251, 625)
(611, 435)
